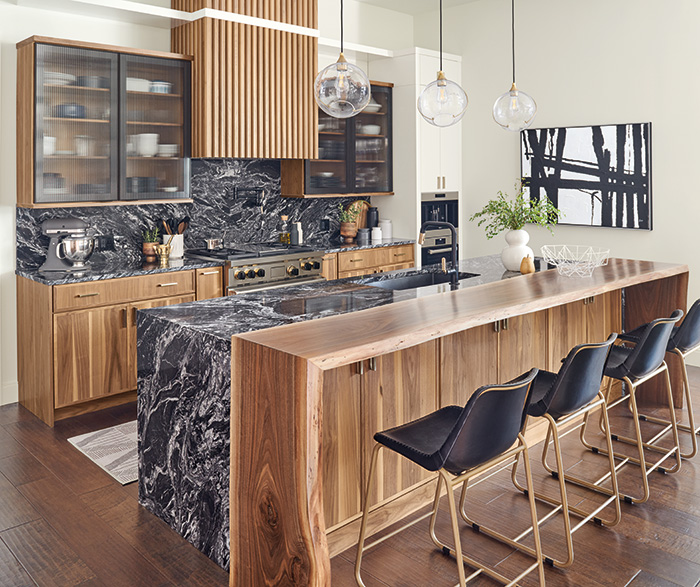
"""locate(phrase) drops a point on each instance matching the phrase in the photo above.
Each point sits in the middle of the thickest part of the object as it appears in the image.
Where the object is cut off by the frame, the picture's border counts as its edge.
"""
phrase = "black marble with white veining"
(214, 210)
(184, 363)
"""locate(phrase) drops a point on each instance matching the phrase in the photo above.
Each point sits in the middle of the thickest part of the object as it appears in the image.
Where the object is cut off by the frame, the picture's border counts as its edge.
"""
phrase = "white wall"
(594, 62)
(17, 23)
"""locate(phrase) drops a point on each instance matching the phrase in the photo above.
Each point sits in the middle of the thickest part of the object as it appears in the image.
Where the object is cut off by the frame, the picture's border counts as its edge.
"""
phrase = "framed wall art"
(596, 175)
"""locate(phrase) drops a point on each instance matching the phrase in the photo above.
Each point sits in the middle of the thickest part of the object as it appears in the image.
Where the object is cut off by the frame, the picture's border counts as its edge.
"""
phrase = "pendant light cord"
(440, 35)
(512, 33)
(341, 25)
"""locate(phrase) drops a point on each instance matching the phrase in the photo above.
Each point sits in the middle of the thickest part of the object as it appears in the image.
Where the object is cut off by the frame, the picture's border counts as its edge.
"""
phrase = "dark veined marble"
(214, 212)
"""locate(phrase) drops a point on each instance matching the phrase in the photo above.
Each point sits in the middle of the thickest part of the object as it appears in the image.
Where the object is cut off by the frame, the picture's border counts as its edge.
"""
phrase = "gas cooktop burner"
(249, 250)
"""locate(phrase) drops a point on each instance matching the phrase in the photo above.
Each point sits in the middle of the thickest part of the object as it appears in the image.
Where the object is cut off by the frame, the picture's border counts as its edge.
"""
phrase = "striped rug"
(113, 449)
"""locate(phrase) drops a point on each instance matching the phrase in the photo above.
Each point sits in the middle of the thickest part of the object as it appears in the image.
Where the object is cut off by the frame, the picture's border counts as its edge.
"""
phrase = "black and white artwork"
(596, 175)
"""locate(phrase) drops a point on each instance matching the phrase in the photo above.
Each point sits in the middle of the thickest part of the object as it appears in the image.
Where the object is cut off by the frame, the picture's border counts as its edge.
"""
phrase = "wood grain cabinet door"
(402, 387)
(91, 356)
(522, 345)
(210, 283)
(131, 335)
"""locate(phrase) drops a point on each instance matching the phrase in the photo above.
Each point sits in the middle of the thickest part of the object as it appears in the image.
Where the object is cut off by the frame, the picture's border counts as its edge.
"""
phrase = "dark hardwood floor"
(63, 521)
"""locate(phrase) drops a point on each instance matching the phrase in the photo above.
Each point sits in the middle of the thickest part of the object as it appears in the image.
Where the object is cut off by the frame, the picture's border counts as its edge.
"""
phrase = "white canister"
(386, 226)
(177, 245)
(376, 233)
(49, 146)
(147, 144)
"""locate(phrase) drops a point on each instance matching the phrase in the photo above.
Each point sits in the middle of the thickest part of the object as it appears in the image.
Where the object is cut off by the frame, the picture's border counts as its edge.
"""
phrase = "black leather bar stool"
(684, 340)
(561, 398)
(634, 366)
(460, 444)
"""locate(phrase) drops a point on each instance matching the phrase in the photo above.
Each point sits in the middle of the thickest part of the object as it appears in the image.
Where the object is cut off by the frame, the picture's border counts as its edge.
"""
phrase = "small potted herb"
(150, 240)
(502, 213)
(348, 224)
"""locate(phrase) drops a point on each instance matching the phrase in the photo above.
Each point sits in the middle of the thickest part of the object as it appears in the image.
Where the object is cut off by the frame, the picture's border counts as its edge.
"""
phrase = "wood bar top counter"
(287, 457)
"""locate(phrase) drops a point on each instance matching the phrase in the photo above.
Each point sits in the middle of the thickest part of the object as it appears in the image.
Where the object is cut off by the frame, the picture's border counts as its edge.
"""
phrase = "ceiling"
(415, 6)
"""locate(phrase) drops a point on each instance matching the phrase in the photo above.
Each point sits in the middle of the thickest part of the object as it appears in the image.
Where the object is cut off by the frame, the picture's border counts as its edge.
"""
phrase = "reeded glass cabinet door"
(155, 134)
(76, 125)
(373, 169)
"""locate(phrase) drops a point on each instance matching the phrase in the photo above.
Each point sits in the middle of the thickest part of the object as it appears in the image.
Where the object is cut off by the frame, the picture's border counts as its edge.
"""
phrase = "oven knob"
(250, 274)
(239, 274)
(308, 266)
(292, 270)
(317, 265)
(260, 272)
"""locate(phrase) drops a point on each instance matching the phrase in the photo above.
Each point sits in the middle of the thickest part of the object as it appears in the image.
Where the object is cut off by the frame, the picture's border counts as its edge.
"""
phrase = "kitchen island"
(308, 393)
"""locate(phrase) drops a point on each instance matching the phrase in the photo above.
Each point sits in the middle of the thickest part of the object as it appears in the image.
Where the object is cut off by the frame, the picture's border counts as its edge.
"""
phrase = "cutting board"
(363, 206)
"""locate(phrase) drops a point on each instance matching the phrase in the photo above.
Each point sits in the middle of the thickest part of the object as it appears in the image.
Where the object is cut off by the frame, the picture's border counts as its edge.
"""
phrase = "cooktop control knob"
(250, 274)
(239, 274)
(292, 270)
(308, 266)
(260, 272)
(317, 265)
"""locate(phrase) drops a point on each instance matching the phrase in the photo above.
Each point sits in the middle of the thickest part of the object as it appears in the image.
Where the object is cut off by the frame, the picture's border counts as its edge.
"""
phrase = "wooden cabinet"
(210, 283)
(355, 155)
(360, 400)
(367, 261)
(98, 123)
(77, 342)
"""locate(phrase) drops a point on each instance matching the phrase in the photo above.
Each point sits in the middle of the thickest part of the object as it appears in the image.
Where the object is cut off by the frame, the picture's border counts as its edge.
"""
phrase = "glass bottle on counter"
(284, 235)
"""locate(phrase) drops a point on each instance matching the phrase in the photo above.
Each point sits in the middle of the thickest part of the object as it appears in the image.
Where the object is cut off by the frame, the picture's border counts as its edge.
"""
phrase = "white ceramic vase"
(517, 248)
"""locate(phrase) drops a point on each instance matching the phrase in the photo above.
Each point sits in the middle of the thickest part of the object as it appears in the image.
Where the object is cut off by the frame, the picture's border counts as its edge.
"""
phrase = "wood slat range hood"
(252, 84)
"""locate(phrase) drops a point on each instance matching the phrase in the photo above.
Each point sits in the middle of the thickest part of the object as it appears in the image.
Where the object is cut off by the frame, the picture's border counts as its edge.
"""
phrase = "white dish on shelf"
(371, 129)
(57, 78)
(372, 107)
(325, 174)
(171, 189)
(137, 84)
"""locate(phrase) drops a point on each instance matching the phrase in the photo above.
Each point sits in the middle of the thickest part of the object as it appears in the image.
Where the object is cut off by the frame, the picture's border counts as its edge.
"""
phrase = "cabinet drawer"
(128, 289)
(402, 254)
(362, 259)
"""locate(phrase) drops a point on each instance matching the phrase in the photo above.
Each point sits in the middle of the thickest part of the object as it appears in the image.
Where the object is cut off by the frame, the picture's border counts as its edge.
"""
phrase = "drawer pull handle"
(356, 260)
(88, 295)
(399, 254)
(209, 273)
(167, 284)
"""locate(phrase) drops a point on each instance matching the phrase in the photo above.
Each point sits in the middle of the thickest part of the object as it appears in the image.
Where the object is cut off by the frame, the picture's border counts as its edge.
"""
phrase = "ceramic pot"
(348, 230)
(149, 251)
(517, 248)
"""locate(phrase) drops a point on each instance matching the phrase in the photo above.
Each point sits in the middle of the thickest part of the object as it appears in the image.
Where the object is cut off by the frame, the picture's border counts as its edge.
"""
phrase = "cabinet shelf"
(82, 120)
(331, 133)
(75, 88)
(371, 136)
(370, 161)
(154, 158)
(135, 123)
(328, 160)
(155, 94)
(76, 157)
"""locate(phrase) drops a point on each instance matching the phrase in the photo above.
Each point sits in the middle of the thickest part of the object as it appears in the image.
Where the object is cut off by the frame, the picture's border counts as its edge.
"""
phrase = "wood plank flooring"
(63, 521)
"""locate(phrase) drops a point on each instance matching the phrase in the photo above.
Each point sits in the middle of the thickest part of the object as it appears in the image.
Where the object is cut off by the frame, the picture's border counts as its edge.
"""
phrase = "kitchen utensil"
(163, 252)
(177, 245)
(160, 87)
(214, 243)
(325, 174)
(92, 81)
(372, 107)
(168, 150)
(166, 226)
(49, 146)
(55, 229)
(171, 189)
(137, 84)
(69, 111)
(77, 250)
(57, 78)
(181, 227)
(147, 144)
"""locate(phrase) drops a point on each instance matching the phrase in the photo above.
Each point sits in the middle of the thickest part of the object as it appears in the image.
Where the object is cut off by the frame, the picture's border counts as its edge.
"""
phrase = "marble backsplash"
(214, 212)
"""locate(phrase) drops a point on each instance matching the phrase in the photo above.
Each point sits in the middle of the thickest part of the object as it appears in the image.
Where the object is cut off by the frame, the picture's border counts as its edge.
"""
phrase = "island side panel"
(646, 302)
(183, 411)
(277, 526)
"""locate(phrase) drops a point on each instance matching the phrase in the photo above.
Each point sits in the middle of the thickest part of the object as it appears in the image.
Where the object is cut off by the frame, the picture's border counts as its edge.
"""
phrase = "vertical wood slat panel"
(297, 12)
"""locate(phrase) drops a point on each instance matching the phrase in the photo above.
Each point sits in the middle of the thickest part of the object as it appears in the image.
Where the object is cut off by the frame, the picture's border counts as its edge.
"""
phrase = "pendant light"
(342, 89)
(515, 110)
(442, 102)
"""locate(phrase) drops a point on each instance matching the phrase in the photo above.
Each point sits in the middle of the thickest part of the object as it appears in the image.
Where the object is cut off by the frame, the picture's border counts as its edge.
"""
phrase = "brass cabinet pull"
(361, 368)
(355, 260)
(505, 323)
(399, 254)
(373, 364)
(167, 284)
(208, 272)
(497, 326)
(587, 301)
(88, 295)
(134, 316)
(126, 317)
(443, 182)
(438, 184)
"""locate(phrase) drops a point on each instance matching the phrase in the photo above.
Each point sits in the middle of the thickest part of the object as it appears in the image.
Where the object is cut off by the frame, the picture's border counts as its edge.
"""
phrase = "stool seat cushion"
(421, 440)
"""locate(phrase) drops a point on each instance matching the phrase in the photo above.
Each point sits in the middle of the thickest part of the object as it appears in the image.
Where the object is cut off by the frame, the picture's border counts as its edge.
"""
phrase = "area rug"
(113, 449)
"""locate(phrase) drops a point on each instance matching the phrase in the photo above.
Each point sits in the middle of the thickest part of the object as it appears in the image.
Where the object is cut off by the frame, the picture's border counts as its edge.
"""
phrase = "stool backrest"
(687, 336)
(489, 424)
(578, 380)
(648, 354)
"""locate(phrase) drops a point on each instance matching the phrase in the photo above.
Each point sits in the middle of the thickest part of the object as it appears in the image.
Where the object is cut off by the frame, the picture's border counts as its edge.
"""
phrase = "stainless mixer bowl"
(77, 249)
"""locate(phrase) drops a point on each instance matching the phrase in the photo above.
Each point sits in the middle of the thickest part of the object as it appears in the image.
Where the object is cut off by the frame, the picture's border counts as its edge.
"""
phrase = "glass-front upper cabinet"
(155, 128)
(372, 143)
(97, 123)
(76, 125)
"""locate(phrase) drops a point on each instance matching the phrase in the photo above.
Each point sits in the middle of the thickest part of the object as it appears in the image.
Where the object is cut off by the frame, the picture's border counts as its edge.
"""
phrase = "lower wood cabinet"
(210, 283)
(77, 342)
(367, 261)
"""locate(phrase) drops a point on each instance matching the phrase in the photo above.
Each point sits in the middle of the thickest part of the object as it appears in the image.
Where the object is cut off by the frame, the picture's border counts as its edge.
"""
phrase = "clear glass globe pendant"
(515, 110)
(442, 102)
(342, 89)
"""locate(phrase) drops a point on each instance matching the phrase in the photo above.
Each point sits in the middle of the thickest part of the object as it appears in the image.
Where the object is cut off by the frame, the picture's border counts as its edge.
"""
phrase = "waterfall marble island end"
(272, 397)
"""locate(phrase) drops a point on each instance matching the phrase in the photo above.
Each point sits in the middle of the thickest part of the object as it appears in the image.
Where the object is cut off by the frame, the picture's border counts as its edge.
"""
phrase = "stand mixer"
(69, 247)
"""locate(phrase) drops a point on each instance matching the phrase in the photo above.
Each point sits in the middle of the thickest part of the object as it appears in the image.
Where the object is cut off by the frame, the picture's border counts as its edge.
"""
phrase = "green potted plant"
(150, 240)
(348, 224)
(503, 213)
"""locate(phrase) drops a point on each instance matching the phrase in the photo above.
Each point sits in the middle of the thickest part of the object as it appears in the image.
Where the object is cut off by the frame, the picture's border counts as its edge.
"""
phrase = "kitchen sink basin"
(415, 280)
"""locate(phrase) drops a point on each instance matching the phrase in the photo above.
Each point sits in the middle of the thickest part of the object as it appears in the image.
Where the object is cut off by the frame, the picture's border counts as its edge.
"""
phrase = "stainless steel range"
(259, 266)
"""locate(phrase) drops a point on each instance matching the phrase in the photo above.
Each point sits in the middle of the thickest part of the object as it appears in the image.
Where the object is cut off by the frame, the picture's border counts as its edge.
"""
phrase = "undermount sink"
(415, 280)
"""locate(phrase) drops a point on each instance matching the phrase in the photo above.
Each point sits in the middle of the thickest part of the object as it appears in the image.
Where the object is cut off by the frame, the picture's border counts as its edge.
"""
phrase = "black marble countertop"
(113, 270)
(224, 317)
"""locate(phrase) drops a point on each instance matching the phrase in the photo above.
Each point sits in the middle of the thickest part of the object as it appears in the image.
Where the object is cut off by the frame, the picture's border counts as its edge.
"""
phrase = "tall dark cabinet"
(354, 154)
(98, 123)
